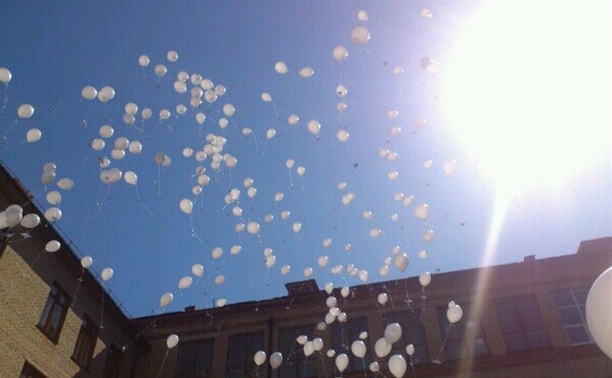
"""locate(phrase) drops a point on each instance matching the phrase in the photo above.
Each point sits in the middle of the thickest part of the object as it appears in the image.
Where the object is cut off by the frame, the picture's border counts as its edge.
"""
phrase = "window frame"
(202, 361)
(524, 311)
(580, 306)
(29, 371)
(457, 338)
(348, 335)
(114, 360)
(405, 319)
(87, 338)
(54, 307)
(254, 341)
(294, 358)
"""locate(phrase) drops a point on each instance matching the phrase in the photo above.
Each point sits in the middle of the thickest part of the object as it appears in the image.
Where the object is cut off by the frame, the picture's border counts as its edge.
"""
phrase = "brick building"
(520, 319)
(56, 319)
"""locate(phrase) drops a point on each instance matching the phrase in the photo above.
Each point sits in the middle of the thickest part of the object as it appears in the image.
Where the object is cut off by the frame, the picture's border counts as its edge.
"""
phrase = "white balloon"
(306, 72)
(25, 111)
(106, 131)
(144, 60)
(229, 110)
(221, 302)
(285, 269)
(382, 348)
(340, 53)
(54, 197)
(342, 135)
(5, 75)
(197, 270)
(253, 228)
(266, 97)
(308, 272)
(217, 252)
(281, 67)
(30, 221)
(160, 70)
(345, 291)
(317, 344)
(401, 262)
(135, 147)
(186, 206)
(172, 341)
(86, 262)
(410, 349)
(449, 167)
(360, 35)
(342, 362)
(146, 113)
(425, 279)
(374, 367)
(185, 282)
(53, 214)
(293, 119)
(65, 184)
(598, 310)
(260, 358)
(383, 298)
(454, 313)
(276, 360)
(314, 127)
(166, 299)
(358, 348)
(220, 279)
(52, 246)
(393, 332)
(106, 94)
(107, 274)
(397, 365)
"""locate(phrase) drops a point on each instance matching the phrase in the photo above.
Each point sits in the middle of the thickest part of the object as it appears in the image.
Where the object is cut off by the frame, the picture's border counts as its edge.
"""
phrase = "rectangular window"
(29, 371)
(343, 336)
(242, 348)
(571, 305)
(54, 313)
(296, 364)
(412, 333)
(114, 358)
(521, 323)
(464, 338)
(195, 359)
(86, 342)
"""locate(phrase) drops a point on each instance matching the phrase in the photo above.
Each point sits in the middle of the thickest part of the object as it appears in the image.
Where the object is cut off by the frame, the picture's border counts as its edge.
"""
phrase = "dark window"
(242, 349)
(54, 313)
(86, 342)
(464, 338)
(195, 359)
(296, 364)
(412, 333)
(343, 336)
(571, 305)
(114, 358)
(29, 371)
(521, 323)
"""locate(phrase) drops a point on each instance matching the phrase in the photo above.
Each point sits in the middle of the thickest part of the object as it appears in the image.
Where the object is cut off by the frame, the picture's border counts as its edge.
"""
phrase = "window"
(29, 371)
(296, 364)
(464, 338)
(54, 313)
(571, 304)
(242, 348)
(195, 359)
(113, 362)
(86, 342)
(343, 335)
(412, 333)
(521, 323)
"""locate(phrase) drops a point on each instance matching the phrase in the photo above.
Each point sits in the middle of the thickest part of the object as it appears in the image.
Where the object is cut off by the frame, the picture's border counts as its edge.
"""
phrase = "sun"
(526, 90)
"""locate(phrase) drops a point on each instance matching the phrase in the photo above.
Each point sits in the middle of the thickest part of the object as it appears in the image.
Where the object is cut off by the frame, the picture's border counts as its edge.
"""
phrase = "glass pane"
(577, 335)
(581, 295)
(570, 315)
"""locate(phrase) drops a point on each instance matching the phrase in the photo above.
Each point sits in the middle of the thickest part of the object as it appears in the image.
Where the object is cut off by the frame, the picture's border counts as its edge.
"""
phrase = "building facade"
(523, 319)
(56, 319)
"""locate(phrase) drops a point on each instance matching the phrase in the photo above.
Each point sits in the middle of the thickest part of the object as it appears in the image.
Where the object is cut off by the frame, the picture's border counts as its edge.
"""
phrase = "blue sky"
(523, 112)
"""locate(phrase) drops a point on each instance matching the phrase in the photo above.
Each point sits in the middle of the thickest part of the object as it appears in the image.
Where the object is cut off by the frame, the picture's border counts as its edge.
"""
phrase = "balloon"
(25, 111)
(186, 206)
(281, 67)
(360, 35)
(164, 114)
(383, 298)
(172, 341)
(454, 313)
(197, 270)
(382, 348)
(398, 70)
(185, 282)
(253, 228)
(358, 348)
(422, 211)
(276, 360)
(598, 310)
(342, 135)
(449, 167)
(425, 279)
(5, 75)
(393, 332)
(401, 262)
(362, 15)
(342, 362)
(297, 227)
(266, 97)
(293, 119)
(260, 358)
(65, 184)
(106, 94)
(426, 13)
(308, 348)
(374, 367)
(160, 70)
(285, 214)
(331, 353)
(220, 279)
(329, 287)
(397, 365)
(375, 232)
(53, 214)
(410, 349)
(285, 269)
(86, 262)
(30, 221)
(144, 61)
(340, 53)
(314, 127)
(172, 56)
(306, 72)
(345, 291)
(107, 274)
(13, 215)
(271, 133)
(210, 96)
(317, 344)
(146, 113)
(229, 110)
(89, 92)
(270, 261)
(393, 175)
(221, 302)
(308, 272)
(217, 252)
(166, 299)
(106, 131)
(52, 246)
(331, 302)
(135, 147)
(428, 236)
(117, 154)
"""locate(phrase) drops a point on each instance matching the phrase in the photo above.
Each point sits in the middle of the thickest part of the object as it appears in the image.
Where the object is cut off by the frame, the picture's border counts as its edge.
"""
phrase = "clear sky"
(513, 98)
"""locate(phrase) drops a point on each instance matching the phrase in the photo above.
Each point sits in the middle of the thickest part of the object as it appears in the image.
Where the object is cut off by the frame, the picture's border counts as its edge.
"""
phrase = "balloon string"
(412, 366)
(4, 98)
(162, 364)
(437, 360)
(80, 279)
(275, 110)
(140, 202)
(290, 179)
(5, 135)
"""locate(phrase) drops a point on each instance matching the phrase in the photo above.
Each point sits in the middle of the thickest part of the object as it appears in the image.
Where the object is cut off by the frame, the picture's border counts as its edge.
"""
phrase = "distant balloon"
(172, 341)
(54, 197)
(130, 177)
(397, 365)
(106, 94)
(340, 53)
(293, 119)
(276, 360)
(186, 206)
(160, 70)
(166, 299)
(360, 35)
(86, 262)
(281, 67)
(30, 221)
(5, 75)
(144, 61)
(314, 127)
(107, 274)
(185, 282)
(358, 348)
(362, 15)
(342, 362)
(25, 111)
(401, 262)
(422, 211)
(425, 279)
(260, 358)
(65, 184)
(342, 135)
(306, 72)
(89, 92)
(197, 270)
(454, 313)
(33, 135)
(266, 97)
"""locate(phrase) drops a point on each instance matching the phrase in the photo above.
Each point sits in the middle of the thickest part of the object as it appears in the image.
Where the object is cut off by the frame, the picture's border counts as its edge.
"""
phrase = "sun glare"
(527, 91)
